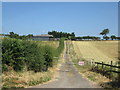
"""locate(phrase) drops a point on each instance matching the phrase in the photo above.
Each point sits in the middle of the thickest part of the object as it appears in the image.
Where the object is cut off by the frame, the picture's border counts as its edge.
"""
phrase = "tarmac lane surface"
(69, 77)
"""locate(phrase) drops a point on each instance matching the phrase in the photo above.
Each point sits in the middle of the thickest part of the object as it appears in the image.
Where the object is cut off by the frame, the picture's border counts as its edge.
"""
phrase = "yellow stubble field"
(105, 51)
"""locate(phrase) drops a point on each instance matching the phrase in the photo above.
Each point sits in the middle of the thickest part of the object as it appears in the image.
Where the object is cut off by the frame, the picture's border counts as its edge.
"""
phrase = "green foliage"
(4, 67)
(34, 56)
(106, 37)
(85, 38)
(17, 36)
(104, 33)
(20, 54)
(48, 55)
(12, 53)
(60, 48)
(61, 34)
(113, 37)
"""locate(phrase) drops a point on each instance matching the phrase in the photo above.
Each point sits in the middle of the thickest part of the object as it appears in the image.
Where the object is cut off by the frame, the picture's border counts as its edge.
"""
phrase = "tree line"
(17, 36)
(57, 34)
(86, 38)
(104, 34)
(72, 36)
(113, 37)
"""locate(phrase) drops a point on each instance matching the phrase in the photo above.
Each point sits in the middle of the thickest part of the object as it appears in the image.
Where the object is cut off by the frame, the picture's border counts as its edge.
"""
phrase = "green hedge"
(19, 54)
(60, 48)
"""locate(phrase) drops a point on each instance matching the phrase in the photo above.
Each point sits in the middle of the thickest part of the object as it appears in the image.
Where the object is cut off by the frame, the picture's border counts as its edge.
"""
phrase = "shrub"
(12, 53)
(19, 54)
(48, 55)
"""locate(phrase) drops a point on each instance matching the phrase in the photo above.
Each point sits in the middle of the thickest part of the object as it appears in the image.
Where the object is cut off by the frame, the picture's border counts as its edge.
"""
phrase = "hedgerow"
(60, 48)
(23, 54)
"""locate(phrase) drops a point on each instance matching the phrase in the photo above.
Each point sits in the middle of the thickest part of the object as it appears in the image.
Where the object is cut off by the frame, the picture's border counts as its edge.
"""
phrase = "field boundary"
(110, 70)
(107, 70)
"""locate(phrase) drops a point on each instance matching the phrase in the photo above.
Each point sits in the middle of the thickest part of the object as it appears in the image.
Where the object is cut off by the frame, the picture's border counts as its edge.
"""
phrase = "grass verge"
(26, 79)
(85, 71)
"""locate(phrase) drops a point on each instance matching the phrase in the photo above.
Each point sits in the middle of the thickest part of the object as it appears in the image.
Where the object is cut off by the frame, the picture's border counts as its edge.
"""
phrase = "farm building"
(43, 37)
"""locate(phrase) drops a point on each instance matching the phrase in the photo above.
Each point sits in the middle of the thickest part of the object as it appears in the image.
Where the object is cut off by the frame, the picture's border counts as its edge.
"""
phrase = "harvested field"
(105, 51)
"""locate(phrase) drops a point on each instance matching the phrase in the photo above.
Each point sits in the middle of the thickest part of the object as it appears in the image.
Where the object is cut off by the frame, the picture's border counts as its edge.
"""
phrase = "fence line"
(109, 70)
(109, 65)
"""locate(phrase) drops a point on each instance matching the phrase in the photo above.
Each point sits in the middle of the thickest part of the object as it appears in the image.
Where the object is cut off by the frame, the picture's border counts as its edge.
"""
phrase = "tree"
(104, 33)
(106, 37)
(113, 37)
(13, 35)
(57, 34)
(30, 35)
(73, 34)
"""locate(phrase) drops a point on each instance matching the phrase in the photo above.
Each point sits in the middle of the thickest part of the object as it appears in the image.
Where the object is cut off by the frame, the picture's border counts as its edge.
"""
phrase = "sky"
(83, 18)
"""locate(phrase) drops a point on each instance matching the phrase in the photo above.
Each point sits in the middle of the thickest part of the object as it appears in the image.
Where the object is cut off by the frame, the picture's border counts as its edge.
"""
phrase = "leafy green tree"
(79, 38)
(105, 32)
(17, 36)
(13, 35)
(73, 38)
(113, 37)
(30, 35)
(73, 34)
(57, 34)
(106, 37)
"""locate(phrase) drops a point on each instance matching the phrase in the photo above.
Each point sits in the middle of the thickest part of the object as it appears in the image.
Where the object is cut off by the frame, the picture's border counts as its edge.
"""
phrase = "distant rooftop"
(43, 35)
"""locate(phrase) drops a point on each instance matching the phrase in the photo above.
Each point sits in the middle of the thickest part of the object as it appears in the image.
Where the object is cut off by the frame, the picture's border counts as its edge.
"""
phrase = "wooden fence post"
(111, 66)
(119, 71)
(102, 69)
(102, 65)
(92, 65)
(111, 69)
(97, 68)
(97, 65)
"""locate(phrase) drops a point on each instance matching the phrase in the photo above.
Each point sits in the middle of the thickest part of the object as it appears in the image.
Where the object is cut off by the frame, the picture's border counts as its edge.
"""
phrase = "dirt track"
(68, 78)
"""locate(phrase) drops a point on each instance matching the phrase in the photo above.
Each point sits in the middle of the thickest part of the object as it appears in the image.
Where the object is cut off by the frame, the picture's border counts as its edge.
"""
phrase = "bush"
(48, 55)
(20, 54)
(34, 58)
(12, 53)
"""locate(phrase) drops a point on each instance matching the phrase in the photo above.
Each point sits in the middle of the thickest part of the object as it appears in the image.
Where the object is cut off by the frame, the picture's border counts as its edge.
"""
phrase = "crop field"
(105, 51)
(54, 44)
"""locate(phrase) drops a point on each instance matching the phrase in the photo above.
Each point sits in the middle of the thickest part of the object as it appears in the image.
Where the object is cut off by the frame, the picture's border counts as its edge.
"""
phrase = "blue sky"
(83, 18)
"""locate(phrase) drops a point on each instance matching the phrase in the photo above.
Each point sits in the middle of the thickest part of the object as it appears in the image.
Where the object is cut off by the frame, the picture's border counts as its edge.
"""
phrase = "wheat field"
(105, 51)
